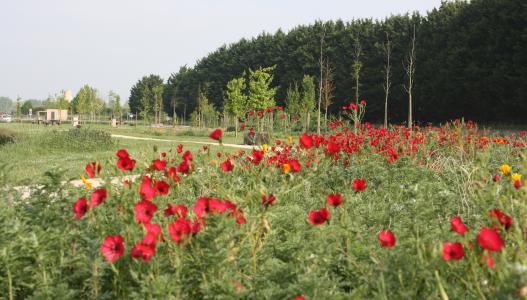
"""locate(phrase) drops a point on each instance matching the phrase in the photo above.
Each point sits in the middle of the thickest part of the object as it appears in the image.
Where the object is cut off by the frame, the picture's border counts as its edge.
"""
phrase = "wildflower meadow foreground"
(361, 213)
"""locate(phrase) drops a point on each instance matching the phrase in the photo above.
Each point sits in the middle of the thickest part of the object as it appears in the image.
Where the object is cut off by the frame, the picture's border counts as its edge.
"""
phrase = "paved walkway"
(120, 136)
(25, 191)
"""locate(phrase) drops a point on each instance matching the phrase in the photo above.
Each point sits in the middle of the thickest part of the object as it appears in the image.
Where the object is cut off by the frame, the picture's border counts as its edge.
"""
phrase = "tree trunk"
(236, 127)
(410, 118)
(386, 112)
(326, 118)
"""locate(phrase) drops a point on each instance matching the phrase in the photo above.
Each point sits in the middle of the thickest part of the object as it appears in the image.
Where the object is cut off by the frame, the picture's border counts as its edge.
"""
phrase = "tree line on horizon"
(470, 60)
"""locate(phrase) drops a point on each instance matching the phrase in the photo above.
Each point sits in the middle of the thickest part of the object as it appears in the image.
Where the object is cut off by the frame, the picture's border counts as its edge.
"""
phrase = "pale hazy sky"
(49, 45)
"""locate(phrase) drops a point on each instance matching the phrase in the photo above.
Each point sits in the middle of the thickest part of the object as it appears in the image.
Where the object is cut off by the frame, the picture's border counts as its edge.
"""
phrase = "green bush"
(7, 136)
(77, 139)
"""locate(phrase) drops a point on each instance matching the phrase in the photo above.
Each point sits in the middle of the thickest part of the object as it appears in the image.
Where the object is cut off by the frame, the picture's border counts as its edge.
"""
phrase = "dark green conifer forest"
(471, 61)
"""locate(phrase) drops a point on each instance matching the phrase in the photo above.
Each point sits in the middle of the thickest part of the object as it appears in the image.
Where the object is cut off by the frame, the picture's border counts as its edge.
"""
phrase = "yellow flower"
(506, 169)
(290, 139)
(87, 184)
(516, 177)
(265, 148)
(286, 168)
(213, 162)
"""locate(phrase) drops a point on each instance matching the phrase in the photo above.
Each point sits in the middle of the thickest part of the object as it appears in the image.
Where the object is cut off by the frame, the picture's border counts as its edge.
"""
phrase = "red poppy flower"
(518, 184)
(457, 225)
(172, 173)
(143, 251)
(98, 197)
(242, 126)
(268, 199)
(505, 220)
(359, 185)
(496, 178)
(80, 207)
(299, 298)
(179, 230)
(112, 248)
(184, 167)
(319, 217)
(126, 164)
(187, 156)
(159, 165)
(152, 229)
(453, 251)
(216, 134)
(201, 208)
(121, 153)
(257, 156)
(196, 226)
(387, 238)
(490, 239)
(306, 141)
(150, 239)
(216, 205)
(146, 190)
(295, 165)
(334, 200)
(161, 187)
(144, 211)
(332, 148)
(179, 210)
(487, 258)
(92, 167)
(226, 165)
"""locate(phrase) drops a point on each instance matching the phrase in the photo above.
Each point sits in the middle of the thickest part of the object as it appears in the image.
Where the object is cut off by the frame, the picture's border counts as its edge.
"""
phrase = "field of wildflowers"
(358, 213)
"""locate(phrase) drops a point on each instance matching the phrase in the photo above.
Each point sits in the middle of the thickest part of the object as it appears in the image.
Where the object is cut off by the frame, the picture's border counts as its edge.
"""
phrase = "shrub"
(7, 136)
(77, 139)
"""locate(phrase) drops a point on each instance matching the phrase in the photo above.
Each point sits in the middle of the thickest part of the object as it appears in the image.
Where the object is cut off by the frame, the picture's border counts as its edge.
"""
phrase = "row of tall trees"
(465, 59)
(146, 98)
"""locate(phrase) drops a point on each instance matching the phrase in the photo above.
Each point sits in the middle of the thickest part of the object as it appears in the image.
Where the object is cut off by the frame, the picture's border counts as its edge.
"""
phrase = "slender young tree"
(173, 103)
(18, 107)
(261, 94)
(157, 92)
(145, 104)
(328, 88)
(409, 67)
(236, 101)
(308, 99)
(115, 101)
(357, 66)
(321, 79)
(387, 48)
(292, 100)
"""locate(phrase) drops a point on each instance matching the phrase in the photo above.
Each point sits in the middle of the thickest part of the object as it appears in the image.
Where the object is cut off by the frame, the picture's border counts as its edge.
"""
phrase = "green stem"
(10, 282)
